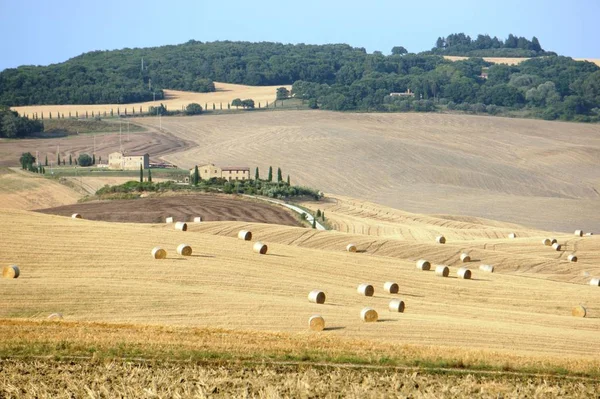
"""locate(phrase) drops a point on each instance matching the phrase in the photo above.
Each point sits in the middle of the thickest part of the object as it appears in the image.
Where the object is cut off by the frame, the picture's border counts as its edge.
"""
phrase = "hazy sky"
(42, 32)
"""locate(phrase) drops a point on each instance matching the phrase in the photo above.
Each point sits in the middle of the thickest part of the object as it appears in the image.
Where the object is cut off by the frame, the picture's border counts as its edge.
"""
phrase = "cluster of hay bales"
(76, 216)
(549, 241)
(11, 271)
(316, 296)
(464, 257)
(390, 287)
(464, 273)
(351, 248)
(422, 264)
(365, 289)
(440, 239)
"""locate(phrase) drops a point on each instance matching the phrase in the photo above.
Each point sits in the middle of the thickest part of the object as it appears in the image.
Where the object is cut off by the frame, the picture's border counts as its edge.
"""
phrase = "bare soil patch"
(181, 208)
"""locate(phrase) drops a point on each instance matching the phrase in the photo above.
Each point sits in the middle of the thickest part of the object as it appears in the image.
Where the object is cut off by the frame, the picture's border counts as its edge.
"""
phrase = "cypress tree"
(100, 158)
(46, 163)
(93, 159)
(279, 178)
(318, 213)
(323, 216)
(70, 160)
(256, 175)
(196, 176)
(64, 161)
(150, 175)
(288, 180)
(314, 224)
(270, 176)
(141, 174)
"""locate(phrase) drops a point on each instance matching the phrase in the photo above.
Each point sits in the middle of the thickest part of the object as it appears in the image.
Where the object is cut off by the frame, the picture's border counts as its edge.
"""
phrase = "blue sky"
(43, 32)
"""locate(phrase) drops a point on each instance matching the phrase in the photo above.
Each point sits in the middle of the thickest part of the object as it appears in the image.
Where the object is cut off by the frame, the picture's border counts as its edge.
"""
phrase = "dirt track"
(181, 208)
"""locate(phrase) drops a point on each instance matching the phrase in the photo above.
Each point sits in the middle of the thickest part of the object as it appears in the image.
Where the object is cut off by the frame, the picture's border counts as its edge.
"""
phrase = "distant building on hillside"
(210, 171)
(122, 161)
(407, 94)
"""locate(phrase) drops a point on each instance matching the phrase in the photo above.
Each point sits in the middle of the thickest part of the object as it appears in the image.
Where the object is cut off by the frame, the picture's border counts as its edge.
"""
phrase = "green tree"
(93, 159)
(279, 177)
(84, 160)
(312, 103)
(248, 103)
(237, 103)
(323, 216)
(58, 159)
(196, 176)
(270, 175)
(288, 180)
(70, 159)
(193, 109)
(256, 175)
(314, 223)
(282, 93)
(399, 50)
(318, 213)
(150, 175)
(26, 160)
(46, 162)
(141, 173)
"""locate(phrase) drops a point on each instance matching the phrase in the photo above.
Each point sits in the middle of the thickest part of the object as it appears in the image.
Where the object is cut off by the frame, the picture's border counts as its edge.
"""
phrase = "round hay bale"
(553, 241)
(440, 239)
(181, 226)
(396, 305)
(245, 235)
(512, 235)
(184, 250)
(76, 216)
(579, 233)
(442, 271)
(366, 289)
(369, 315)
(556, 246)
(316, 296)
(486, 268)
(547, 242)
(589, 234)
(595, 282)
(316, 323)
(465, 257)
(422, 264)
(464, 273)
(55, 316)
(169, 220)
(351, 248)
(260, 248)
(572, 258)
(390, 287)
(578, 311)
(11, 271)
(159, 253)
(197, 219)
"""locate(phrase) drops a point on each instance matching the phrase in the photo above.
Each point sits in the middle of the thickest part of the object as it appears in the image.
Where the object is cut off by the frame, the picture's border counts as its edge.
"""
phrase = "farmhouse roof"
(236, 168)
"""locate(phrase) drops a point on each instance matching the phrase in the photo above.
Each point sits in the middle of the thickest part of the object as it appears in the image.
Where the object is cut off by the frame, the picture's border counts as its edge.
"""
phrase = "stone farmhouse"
(122, 161)
(230, 173)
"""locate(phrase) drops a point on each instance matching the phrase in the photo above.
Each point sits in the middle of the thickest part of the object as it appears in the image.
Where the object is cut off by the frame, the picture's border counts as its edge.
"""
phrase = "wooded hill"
(334, 76)
(485, 46)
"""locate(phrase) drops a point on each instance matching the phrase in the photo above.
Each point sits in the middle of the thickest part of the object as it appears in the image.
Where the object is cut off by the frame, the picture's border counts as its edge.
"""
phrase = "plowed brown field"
(182, 208)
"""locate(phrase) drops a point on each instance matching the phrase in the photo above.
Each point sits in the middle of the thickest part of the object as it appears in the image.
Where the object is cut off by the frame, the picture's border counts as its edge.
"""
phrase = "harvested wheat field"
(513, 60)
(536, 173)
(24, 190)
(174, 100)
(102, 272)
(184, 208)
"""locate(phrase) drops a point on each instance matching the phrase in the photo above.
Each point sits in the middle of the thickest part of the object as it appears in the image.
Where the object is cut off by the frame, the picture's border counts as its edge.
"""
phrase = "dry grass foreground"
(536, 173)
(103, 272)
(514, 60)
(24, 190)
(174, 100)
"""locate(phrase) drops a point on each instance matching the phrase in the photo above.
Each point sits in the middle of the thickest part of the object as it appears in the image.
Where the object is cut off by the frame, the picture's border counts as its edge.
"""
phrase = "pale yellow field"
(514, 60)
(96, 271)
(535, 173)
(175, 99)
(23, 190)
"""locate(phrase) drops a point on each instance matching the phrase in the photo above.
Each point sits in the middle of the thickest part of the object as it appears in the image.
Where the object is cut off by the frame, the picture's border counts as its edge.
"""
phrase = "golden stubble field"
(103, 272)
(174, 100)
(537, 173)
(514, 60)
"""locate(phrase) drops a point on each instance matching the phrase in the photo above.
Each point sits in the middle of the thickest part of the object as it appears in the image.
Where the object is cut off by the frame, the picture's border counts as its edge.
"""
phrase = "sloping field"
(182, 208)
(174, 100)
(98, 271)
(22, 190)
(535, 173)
(514, 60)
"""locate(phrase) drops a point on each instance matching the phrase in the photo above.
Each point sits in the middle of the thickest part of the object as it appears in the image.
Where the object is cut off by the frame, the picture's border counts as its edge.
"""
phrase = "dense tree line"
(486, 46)
(13, 126)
